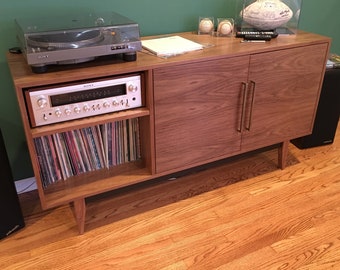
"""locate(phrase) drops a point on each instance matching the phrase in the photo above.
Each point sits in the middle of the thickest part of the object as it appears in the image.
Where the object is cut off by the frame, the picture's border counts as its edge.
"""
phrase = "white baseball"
(206, 26)
(225, 27)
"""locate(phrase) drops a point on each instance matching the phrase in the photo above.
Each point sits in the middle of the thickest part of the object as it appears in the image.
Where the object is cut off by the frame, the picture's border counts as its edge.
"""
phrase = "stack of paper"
(169, 46)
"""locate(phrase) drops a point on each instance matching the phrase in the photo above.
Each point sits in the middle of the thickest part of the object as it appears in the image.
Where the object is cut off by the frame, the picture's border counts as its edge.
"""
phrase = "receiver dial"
(106, 104)
(77, 109)
(58, 113)
(132, 88)
(86, 108)
(42, 102)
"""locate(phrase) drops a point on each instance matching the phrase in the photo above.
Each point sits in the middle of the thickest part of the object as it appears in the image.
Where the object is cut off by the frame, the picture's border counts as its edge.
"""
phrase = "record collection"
(66, 154)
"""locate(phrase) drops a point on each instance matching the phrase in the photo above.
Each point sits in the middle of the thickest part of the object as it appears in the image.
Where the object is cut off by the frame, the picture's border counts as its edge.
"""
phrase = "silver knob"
(86, 108)
(67, 111)
(106, 104)
(42, 102)
(76, 109)
(132, 88)
(58, 113)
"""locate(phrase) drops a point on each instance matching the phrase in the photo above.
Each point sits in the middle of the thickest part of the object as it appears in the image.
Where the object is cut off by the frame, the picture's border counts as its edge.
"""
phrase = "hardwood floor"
(243, 213)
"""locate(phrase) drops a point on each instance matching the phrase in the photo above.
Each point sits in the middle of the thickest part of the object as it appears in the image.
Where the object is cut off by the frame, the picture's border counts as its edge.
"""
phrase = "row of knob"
(42, 100)
(86, 108)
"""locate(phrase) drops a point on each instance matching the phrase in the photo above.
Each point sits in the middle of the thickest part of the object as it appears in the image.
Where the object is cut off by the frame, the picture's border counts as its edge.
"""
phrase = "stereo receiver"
(48, 105)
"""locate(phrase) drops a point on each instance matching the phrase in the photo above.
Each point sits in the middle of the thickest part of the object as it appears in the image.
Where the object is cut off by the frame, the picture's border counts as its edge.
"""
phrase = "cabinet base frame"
(79, 205)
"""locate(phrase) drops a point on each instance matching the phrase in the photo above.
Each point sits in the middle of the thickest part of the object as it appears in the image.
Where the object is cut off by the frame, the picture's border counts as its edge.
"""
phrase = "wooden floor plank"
(243, 213)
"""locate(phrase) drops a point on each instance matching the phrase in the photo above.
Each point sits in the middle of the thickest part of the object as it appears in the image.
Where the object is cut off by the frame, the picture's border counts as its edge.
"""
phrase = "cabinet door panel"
(286, 85)
(197, 112)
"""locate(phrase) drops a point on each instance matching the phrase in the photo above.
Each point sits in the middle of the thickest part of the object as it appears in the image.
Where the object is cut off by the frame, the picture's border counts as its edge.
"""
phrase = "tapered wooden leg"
(80, 212)
(282, 154)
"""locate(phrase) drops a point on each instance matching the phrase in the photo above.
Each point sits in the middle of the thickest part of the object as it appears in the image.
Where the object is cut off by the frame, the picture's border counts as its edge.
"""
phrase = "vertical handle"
(253, 87)
(244, 93)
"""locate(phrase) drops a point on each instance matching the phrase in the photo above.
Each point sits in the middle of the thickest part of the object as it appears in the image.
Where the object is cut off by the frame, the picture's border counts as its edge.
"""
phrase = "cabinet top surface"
(214, 47)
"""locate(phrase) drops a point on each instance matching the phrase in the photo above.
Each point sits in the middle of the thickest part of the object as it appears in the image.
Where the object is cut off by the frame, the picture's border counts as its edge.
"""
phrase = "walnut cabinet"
(213, 109)
(200, 107)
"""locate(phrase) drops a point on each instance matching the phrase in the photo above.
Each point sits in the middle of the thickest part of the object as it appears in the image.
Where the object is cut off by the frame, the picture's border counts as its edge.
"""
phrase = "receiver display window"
(87, 95)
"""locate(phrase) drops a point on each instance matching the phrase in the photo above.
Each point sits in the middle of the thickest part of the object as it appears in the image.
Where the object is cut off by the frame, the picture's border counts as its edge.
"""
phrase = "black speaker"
(327, 115)
(11, 218)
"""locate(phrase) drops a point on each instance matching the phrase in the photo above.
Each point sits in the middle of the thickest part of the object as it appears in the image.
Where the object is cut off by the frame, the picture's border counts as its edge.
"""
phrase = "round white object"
(267, 14)
(206, 26)
(225, 27)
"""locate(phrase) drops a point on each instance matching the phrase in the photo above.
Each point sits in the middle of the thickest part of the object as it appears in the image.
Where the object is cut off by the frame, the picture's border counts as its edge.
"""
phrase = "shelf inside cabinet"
(93, 183)
(89, 121)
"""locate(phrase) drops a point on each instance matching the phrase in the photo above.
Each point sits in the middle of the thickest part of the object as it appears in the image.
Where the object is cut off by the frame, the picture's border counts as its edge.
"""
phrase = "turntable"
(73, 39)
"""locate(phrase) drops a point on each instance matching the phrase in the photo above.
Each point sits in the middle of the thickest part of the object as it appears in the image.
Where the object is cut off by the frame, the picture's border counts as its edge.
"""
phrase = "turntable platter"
(66, 40)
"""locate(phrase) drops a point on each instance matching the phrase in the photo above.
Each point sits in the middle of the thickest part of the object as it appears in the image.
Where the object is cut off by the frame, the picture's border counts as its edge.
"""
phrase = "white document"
(169, 46)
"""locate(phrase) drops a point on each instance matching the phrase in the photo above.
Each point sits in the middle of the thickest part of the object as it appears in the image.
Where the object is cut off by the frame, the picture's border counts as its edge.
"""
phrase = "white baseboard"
(25, 185)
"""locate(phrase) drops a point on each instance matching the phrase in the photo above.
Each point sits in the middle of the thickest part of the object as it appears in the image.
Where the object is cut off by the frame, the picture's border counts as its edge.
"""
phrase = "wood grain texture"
(241, 213)
(285, 94)
(193, 119)
(197, 111)
(23, 76)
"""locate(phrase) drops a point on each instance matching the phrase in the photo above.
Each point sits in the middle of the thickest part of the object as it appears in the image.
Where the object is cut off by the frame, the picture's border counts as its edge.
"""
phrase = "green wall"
(153, 16)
